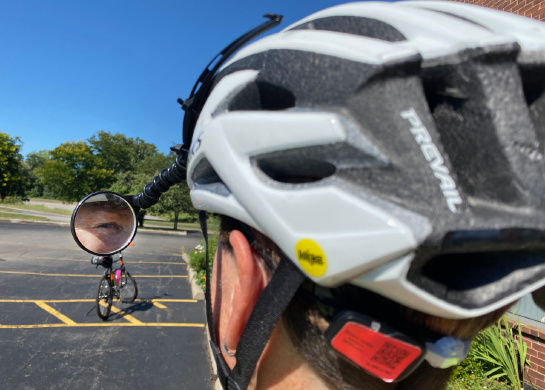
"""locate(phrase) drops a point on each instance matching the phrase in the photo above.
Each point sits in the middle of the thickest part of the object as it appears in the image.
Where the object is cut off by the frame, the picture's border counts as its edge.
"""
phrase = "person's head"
(378, 170)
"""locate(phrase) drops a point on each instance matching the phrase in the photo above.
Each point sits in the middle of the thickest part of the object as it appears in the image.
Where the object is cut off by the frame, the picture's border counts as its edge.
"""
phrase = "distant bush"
(497, 360)
(11, 200)
(197, 259)
(470, 375)
(503, 353)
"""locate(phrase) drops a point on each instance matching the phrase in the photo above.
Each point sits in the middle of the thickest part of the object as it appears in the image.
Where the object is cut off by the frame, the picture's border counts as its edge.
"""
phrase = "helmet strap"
(267, 311)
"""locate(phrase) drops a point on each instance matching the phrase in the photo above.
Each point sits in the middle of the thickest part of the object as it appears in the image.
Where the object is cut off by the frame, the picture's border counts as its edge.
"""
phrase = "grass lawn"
(21, 216)
(51, 201)
(37, 207)
(212, 226)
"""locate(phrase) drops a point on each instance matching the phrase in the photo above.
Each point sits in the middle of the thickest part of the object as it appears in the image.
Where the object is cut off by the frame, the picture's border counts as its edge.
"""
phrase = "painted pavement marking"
(67, 322)
(88, 276)
(123, 314)
(54, 312)
(87, 261)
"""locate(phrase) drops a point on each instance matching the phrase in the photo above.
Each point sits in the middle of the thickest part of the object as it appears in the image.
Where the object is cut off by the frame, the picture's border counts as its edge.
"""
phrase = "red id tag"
(382, 355)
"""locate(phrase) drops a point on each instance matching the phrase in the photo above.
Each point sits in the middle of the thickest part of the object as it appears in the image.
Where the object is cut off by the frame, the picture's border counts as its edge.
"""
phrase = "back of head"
(392, 152)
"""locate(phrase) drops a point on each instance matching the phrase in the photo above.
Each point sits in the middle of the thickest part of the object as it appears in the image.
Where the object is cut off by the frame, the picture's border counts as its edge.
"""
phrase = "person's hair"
(306, 327)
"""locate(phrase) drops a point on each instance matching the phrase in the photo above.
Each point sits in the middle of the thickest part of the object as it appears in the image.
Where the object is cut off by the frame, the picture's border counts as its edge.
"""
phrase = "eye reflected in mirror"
(103, 223)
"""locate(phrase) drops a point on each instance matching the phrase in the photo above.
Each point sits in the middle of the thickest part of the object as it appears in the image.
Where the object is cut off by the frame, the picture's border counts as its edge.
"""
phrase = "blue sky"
(71, 68)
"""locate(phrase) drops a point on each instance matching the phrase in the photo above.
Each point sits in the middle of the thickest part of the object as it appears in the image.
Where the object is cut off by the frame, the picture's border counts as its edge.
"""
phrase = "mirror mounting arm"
(161, 183)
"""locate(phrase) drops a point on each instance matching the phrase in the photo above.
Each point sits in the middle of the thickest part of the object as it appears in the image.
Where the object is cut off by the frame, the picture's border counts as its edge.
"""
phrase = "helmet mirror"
(103, 223)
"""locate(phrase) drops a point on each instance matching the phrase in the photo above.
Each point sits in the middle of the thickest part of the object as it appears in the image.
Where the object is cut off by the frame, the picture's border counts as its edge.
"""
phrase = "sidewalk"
(145, 229)
(64, 220)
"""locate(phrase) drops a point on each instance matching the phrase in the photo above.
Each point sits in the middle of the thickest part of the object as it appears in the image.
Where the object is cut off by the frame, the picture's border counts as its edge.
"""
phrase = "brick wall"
(535, 339)
(530, 8)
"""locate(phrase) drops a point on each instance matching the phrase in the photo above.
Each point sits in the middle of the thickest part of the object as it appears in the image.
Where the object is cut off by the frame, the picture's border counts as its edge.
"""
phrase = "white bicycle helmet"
(397, 147)
(394, 146)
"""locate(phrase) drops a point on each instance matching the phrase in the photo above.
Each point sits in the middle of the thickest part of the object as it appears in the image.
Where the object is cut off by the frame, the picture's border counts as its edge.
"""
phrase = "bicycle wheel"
(104, 298)
(128, 290)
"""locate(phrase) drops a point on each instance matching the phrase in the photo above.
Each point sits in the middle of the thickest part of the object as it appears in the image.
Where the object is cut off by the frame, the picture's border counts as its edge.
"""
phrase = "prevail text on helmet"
(437, 163)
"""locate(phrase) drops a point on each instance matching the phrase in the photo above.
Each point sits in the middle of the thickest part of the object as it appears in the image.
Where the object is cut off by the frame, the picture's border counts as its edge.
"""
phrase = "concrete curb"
(28, 221)
(198, 294)
(177, 233)
(196, 291)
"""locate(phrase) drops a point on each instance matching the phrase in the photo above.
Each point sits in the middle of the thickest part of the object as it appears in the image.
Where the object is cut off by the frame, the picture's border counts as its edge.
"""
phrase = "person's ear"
(250, 281)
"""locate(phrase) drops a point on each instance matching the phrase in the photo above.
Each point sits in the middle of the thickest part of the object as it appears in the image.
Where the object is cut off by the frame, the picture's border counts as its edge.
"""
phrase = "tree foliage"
(105, 161)
(33, 161)
(176, 200)
(72, 171)
(120, 153)
(503, 353)
(13, 178)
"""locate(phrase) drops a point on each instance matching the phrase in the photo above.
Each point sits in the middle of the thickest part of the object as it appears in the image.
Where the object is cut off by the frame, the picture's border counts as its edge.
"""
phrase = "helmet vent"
(474, 280)
(262, 96)
(292, 170)
(471, 109)
(450, 14)
(533, 83)
(314, 163)
(355, 25)
(205, 174)
(205, 178)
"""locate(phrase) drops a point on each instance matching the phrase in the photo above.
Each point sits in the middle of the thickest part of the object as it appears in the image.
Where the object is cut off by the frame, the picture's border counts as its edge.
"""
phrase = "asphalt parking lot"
(52, 338)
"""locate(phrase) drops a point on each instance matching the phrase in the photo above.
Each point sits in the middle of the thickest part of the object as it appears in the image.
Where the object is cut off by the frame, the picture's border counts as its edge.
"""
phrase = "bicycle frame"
(124, 288)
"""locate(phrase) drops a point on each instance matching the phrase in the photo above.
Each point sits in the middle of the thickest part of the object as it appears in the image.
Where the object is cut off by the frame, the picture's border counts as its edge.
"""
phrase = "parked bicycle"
(115, 284)
(104, 224)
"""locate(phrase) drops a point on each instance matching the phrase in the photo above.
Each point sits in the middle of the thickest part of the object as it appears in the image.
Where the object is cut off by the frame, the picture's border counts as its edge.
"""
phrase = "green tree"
(176, 200)
(132, 182)
(33, 161)
(73, 171)
(120, 153)
(13, 179)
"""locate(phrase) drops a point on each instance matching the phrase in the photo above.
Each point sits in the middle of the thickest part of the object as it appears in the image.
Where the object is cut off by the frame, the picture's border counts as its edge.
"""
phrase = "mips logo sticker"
(311, 257)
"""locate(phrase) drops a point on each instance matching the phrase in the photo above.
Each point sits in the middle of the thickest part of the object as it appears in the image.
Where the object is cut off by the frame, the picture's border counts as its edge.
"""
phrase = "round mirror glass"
(103, 223)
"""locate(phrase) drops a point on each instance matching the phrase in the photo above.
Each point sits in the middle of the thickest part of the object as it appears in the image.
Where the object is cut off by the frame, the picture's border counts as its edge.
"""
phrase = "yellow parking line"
(42, 274)
(44, 300)
(88, 261)
(157, 262)
(159, 276)
(99, 324)
(89, 276)
(160, 306)
(52, 258)
(90, 300)
(155, 254)
(54, 312)
(67, 322)
(174, 300)
(124, 315)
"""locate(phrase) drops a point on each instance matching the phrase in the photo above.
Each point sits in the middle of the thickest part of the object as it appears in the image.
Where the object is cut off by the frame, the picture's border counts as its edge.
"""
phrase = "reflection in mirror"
(104, 223)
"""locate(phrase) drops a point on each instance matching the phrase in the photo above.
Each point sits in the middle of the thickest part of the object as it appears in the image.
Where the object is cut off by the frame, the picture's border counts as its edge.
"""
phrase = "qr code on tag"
(389, 355)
